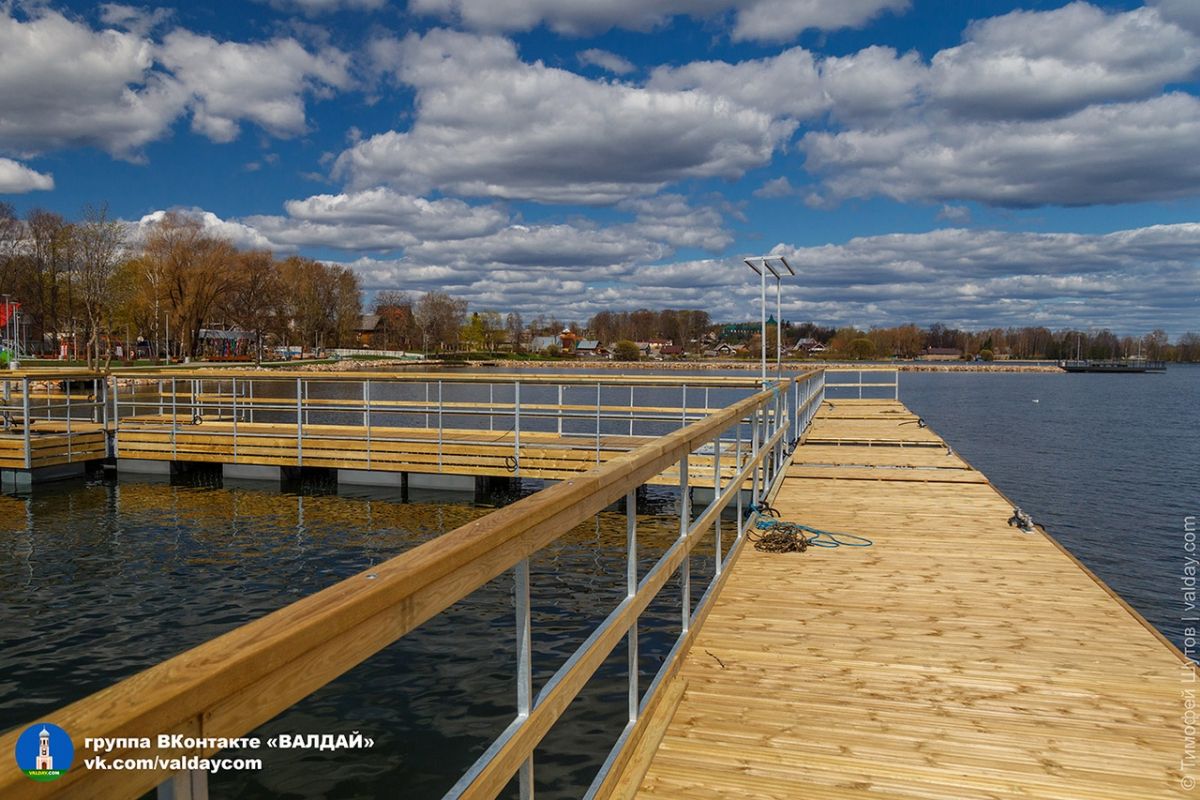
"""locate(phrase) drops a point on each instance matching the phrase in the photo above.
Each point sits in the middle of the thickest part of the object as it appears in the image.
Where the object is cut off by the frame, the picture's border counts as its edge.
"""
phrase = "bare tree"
(516, 328)
(100, 246)
(440, 317)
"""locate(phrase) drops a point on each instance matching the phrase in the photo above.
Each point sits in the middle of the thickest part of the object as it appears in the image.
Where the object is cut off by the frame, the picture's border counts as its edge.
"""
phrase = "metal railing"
(374, 411)
(230, 685)
(874, 389)
(43, 404)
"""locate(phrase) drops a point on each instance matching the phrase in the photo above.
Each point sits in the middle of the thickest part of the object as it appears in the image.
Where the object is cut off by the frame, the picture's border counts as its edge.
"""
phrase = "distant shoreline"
(746, 366)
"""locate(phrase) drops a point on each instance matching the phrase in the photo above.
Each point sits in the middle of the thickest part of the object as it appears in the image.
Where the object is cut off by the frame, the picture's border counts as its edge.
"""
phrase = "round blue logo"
(44, 752)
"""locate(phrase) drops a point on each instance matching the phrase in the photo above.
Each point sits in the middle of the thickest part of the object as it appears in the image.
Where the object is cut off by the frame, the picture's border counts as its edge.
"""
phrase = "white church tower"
(44, 761)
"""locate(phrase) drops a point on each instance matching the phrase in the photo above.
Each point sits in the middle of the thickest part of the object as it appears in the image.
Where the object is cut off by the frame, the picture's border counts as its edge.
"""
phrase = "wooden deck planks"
(956, 658)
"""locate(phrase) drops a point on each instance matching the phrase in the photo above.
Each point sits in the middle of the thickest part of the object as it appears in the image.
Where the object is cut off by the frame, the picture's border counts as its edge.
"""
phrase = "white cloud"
(595, 57)
(764, 20)
(1135, 279)
(64, 85)
(132, 18)
(313, 8)
(263, 83)
(240, 235)
(375, 219)
(16, 178)
(488, 124)
(670, 218)
(1185, 13)
(776, 187)
(784, 85)
(1114, 153)
(1033, 64)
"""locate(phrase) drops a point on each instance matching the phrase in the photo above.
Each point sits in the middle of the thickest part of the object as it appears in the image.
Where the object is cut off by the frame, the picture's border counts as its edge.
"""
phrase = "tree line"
(97, 284)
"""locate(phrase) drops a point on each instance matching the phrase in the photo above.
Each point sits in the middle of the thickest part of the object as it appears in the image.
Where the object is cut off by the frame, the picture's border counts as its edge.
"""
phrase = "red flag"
(7, 310)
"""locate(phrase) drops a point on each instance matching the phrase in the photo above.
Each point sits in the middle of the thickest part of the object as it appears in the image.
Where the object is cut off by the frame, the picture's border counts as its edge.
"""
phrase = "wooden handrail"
(566, 378)
(230, 685)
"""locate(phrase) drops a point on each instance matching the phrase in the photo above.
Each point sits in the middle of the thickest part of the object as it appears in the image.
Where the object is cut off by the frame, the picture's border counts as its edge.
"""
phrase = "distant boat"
(1113, 365)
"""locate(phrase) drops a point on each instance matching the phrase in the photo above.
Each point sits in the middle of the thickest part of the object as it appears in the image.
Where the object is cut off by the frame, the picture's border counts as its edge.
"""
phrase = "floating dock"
(958, 657)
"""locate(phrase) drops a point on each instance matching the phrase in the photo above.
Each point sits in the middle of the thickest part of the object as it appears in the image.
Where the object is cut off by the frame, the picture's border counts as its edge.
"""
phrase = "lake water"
(98, 581)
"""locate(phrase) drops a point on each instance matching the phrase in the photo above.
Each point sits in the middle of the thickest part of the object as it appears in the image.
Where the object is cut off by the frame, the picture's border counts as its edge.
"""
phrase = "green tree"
(626, 350)
(861, 347)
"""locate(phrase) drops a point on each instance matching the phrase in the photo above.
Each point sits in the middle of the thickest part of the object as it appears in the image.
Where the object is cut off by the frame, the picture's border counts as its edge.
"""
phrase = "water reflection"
(99, 581)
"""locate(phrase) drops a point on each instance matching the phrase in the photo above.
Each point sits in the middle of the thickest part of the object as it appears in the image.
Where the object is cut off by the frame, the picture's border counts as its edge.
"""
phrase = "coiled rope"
(778, 536)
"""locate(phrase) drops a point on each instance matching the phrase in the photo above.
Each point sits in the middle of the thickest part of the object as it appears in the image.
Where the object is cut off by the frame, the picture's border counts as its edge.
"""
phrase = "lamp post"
(778, 267)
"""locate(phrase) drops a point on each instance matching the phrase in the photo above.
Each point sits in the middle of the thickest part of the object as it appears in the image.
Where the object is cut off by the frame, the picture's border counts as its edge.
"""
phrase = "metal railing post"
(517, 427)
(716, 495)
(737, 461)
(299, 422)
(367, 416)
(631, 582)
(685, 569)
(174, 414)
(439, 423)
(597, 423)
(754, 457)
(26, 423)
(560, 409)
(524, 665)
(233, 406)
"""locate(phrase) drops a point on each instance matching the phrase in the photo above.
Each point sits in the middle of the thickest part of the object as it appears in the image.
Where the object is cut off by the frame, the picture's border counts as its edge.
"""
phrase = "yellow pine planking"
(956, 658)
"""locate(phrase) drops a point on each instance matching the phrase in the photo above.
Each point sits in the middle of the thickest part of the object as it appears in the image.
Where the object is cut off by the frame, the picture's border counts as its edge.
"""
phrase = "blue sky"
(977, 164)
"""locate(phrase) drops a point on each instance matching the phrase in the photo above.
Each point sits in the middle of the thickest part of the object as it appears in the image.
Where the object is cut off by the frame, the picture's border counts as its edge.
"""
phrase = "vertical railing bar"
(631, 407)
(524, 665)
(174, 413)
(367, 416)
(439, 424)
(70, 442)
(26, 423)
(631, 581)
(716, 496)
(597, 423)
(299, 422)
(233, 402)
(737, 460)
(517, 427)
(491, 406)
(685, 569)
(560, 409)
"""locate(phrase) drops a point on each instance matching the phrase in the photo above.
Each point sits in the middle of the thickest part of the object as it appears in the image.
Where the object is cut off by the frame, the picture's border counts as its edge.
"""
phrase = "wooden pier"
(958, 657)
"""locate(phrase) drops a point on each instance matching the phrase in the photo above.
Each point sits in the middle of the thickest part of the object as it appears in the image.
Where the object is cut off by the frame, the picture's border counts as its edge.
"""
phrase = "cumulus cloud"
(133, 18)
(240, 235)
(1035, 64)
(16, 178)
(1134, 279)
(670, 218)
(313, 8)
(595, 57)
(489, 124)
(63, 84)
(763, 20)
(263, 83)
(776, 187)
(1118, 153)
(788, 84)
(375, 219)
